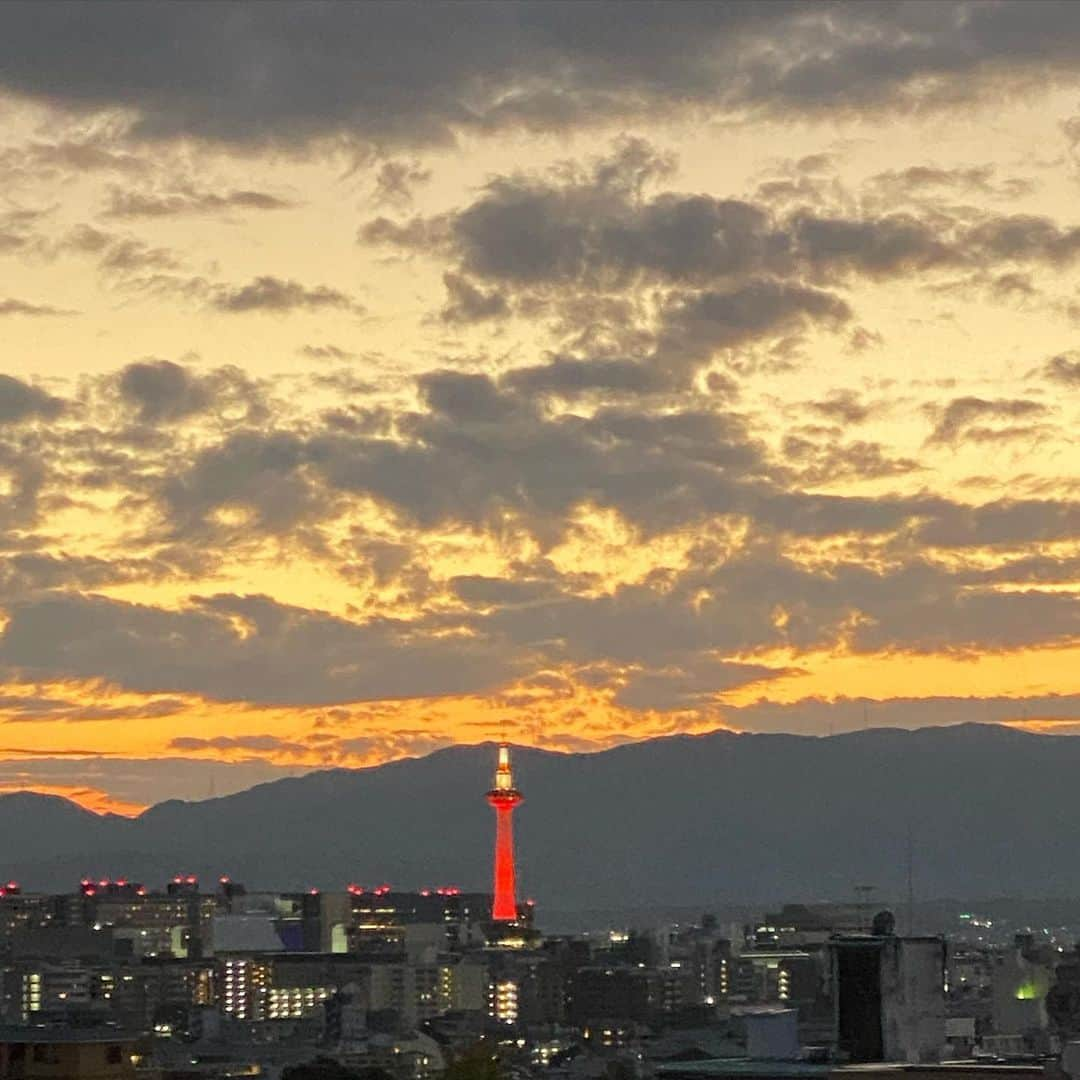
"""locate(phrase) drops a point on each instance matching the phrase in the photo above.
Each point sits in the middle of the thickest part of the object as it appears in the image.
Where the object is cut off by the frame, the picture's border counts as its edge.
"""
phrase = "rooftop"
(742, 1067)
(59, 1034)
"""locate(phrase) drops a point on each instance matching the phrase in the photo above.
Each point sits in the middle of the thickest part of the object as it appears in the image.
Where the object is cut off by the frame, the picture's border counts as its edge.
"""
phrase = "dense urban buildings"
(118, 978)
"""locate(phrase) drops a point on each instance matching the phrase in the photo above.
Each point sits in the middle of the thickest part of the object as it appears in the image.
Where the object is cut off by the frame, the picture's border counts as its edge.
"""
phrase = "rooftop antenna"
(910, 880)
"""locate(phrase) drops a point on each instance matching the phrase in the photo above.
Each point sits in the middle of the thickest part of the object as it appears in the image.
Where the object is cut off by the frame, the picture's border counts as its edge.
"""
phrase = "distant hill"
(720, 818)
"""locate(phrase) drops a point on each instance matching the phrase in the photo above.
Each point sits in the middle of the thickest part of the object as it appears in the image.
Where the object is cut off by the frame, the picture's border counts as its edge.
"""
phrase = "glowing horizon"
(510, 374)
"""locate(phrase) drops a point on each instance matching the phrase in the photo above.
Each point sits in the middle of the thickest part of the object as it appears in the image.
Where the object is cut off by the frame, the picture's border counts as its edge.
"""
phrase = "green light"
(1027, 992)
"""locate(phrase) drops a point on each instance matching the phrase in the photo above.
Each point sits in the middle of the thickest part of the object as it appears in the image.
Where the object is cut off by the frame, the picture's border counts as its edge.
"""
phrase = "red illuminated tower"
(503, 797)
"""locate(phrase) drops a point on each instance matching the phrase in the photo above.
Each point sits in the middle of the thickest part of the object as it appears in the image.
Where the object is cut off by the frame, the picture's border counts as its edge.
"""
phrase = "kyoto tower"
(503, 797)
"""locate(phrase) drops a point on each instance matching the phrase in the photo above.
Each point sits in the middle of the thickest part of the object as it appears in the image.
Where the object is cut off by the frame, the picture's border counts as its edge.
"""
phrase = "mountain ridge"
(722, 816)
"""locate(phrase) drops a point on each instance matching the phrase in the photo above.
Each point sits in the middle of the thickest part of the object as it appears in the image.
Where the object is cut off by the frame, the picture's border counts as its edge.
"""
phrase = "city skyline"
(378, 378)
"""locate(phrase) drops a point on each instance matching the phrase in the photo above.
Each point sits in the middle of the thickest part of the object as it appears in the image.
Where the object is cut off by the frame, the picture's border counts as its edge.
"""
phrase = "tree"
(478, 1062)
(324, 1068)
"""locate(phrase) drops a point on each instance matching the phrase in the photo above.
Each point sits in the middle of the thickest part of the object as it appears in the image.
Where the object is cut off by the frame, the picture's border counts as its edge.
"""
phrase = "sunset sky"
(382, 377)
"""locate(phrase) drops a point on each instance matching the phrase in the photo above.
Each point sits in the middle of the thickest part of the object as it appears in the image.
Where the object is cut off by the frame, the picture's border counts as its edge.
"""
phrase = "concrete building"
(66, 1054)
(1021, 979)
(772, 1034)
(798, 926)
(597, 994)
(888, 998)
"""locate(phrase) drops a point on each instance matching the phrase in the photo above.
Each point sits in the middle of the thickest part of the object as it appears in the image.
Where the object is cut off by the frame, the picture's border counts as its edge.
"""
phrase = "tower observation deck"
(503, 798)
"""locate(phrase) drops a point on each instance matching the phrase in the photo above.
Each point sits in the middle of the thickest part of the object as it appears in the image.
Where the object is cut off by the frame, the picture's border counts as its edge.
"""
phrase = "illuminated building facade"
(245, 986)
(19, 912)
(382, 920)
(504, 798)
(503, 1000)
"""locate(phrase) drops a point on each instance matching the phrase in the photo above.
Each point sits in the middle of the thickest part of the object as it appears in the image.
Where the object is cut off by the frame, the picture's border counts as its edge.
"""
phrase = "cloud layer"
(392, 375)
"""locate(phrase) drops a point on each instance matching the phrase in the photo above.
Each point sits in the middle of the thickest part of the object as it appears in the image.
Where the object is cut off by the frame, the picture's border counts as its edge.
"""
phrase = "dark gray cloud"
(275, 71)
(481, 447)
(1063, 369)
(844, 406)
(692, 686)
(695, 326)
(25, 573)
(90, 152)
(918, 181)
(326, 352)
(161, 391)
(274, 294)
(889, 246)
(477, 452)
(1004, 523)
(494, 454)
(12, 306)
(264, 475)
(591, 228)
(965, 419)
(25, 474)
(760, 600)
(465, 303)
(49, 710)
(257, 743)
(116, 254)
(243, 648)
(567, 377)
(642, 291)
(595, 226)
(17, 230)
(130, 203)
(468, 398)
(396, 180)
(673, 278)
(669, 630)
(832, 461)
(1025, 238)
(23, 401)
(1028, 570)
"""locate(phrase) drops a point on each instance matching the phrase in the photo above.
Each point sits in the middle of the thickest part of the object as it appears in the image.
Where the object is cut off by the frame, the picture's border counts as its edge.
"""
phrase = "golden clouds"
(352, 453)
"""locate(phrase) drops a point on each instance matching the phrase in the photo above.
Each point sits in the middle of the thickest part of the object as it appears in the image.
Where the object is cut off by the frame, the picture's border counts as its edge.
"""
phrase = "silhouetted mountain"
(681, 820)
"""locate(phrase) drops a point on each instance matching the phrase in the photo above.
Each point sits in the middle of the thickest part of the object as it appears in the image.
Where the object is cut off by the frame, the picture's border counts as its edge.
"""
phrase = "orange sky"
(643, 397)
